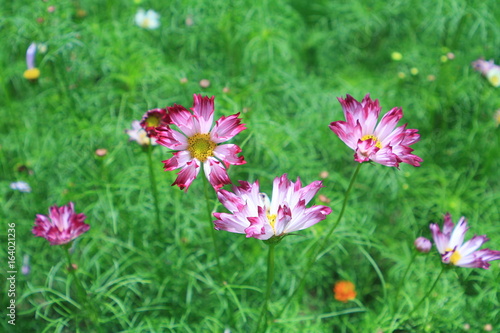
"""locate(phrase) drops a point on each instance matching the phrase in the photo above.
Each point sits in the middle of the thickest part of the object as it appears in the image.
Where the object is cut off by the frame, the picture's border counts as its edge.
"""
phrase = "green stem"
(82, 295)
(422, 300)
(211, 225)
(270, 278)
(154, 188)
(401, 282)
(317, 247)
(428, 292)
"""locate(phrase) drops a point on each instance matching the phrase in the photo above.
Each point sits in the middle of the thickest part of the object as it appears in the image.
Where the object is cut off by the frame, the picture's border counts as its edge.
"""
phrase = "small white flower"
(493, 76)
(139, 135)
(21, 186)
(147, 19)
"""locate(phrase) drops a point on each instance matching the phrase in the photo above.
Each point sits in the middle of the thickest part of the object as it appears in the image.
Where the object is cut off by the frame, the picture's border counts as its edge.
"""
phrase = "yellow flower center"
(201, 147)
(455, 257)
(153, 121)
(272, 221)
(145, 23)
(374, 138)
(32, 73)
(494, 80)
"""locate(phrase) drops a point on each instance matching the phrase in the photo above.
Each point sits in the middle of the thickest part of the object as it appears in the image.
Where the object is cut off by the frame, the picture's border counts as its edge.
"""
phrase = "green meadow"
(282, 65)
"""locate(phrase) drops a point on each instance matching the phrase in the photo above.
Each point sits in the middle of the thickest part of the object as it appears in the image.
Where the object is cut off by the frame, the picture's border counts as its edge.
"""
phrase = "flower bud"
(423, 244)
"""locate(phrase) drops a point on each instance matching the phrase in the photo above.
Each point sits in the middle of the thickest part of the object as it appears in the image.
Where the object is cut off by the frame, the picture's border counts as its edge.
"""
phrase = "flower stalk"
(154, 188)
(211, 225)
(270, 278)
(317, 247)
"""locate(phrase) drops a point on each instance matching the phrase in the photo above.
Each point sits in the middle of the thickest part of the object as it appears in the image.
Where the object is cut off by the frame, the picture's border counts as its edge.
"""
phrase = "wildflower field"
(250, 166)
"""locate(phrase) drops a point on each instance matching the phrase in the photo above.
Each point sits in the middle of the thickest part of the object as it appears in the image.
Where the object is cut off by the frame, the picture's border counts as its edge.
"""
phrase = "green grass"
(285, 63)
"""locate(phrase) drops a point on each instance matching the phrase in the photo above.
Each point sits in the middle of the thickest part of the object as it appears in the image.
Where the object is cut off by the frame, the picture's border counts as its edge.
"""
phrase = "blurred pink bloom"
(383, 143)
(61, 226)
(453, 250)
(422, 244)
(253, 214)
(197, 143)
(153, 119)
(489, 70)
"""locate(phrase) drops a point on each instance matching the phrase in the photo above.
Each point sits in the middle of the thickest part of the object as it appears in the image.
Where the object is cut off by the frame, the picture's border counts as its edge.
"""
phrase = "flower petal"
(203, 108)
(187, 174)
(226, 127)
(228, 154)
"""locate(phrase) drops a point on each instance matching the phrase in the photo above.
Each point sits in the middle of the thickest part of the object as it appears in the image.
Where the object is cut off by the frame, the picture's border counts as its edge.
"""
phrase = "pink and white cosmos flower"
(383, 143)
(253, 214)
(61, 226)
(453, 250)
(197, 143)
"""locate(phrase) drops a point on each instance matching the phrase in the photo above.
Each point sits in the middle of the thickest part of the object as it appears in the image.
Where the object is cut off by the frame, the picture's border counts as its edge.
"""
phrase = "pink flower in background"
(197, 143)
(153, 119)
(61, 226)
(453, 250)
(253, 214)
(489, 70)
(383, 143)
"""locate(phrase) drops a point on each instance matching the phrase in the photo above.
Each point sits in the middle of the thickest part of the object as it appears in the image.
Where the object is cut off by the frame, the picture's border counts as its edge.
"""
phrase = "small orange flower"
(344, 291)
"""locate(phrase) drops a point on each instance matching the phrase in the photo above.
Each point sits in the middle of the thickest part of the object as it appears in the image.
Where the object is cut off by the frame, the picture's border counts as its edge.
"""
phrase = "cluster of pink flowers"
(196, 142)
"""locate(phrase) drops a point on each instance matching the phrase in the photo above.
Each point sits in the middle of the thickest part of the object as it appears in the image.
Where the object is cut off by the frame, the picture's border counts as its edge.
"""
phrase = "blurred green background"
(282, 64)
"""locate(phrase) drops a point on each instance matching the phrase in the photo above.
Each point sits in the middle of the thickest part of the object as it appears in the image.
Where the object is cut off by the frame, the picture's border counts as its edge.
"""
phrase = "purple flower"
(453, 250)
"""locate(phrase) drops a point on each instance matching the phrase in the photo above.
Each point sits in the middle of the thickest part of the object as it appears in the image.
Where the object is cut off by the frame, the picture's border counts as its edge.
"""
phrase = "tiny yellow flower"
(31, 73)
(444, 58)
(396, 56)
(414, 71)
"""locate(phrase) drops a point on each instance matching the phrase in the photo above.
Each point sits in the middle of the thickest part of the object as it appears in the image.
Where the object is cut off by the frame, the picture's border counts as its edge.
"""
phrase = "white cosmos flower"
(147, 19)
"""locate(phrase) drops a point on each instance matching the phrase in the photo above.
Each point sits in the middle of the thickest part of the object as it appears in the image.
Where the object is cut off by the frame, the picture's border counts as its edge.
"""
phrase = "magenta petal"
(187, 174)
(61, 226)
(203, 109)
(229, 154)
(216, 173)
(226, 127)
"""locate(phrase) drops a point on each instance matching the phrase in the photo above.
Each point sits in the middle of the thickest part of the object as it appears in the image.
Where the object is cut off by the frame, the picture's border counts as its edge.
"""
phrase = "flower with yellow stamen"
(383, 143)
(253, 214)
(453, 250)
(196, 143)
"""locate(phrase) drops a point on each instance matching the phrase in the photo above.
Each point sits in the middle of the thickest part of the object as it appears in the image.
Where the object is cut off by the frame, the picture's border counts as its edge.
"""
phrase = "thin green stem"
(428, 292)
(401, 282)
(154, 188)
(423, 298)
(211, 225)
(80, 291)
(318, 247)
(270, 278)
